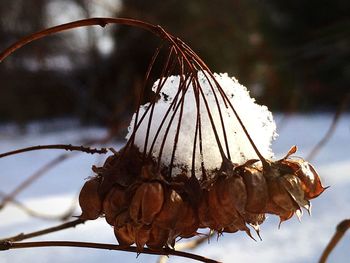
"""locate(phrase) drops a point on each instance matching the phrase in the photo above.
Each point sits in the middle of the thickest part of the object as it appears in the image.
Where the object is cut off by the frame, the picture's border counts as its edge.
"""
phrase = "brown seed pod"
(310, 179)
(122, 219)
(291, 184)
(255, 220)
(90, 200)
(221, 205)
(204, 212)
(158, 237)
(142, 235)
(232, 198)
(171, 209)
(280, 201)
(257, 192)
(125, 235)
(114, 203)
(294, 187)
(187, 223)
(146, 202)
(122, 168)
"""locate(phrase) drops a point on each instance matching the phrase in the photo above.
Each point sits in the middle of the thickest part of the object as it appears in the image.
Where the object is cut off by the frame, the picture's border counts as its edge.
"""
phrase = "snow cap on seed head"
(257, 119)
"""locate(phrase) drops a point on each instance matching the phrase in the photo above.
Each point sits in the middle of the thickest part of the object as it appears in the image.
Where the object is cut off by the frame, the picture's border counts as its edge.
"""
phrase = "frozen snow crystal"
(257, 119)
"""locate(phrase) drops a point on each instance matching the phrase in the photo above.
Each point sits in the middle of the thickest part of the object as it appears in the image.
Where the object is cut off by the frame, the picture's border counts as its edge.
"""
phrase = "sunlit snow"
(257, 119)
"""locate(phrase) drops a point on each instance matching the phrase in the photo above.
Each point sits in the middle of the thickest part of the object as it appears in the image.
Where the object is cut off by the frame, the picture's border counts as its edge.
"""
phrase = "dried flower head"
(197, 156)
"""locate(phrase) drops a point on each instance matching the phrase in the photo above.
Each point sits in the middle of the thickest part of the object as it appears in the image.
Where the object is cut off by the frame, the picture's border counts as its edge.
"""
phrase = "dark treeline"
(292, 56)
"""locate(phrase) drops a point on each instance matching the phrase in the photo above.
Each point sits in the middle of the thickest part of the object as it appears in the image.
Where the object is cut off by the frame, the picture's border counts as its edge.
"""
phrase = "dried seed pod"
(232, 198)
(114, 203)
(122, 168)
(90, 200)
(310, 179)
(172, 207)
(255, 220)
(291, 184)
(142, 235)
(257, 192)
(146, 202)
(187, 223)
(125, 235)
(279, 195)
(158, 237)
(280, 201)
(294, 187)
(220, 203)
(204, 212)
(122, 219)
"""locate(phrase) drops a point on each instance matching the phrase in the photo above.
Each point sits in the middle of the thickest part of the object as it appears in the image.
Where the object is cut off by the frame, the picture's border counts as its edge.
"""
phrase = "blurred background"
(292, 56)
(81, 86)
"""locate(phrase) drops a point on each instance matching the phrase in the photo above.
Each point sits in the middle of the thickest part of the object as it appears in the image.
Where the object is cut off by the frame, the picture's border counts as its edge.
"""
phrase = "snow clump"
(257, 119)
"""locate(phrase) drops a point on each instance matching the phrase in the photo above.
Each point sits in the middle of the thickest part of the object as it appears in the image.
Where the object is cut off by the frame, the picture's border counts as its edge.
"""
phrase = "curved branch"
(97, 21)
(339, 233)
(165, 251)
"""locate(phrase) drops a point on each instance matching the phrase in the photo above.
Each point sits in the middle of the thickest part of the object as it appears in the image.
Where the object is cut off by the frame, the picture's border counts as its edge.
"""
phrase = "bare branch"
(64, 216)
(67, 147)
(165, 251)
(23, 185)
(99, 21)
(331, 129)
(60, 227)
(339, 233)
(7, 243)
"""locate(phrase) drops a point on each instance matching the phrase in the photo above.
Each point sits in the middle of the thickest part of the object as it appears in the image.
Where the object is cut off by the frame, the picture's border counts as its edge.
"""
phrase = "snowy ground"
(294, 242)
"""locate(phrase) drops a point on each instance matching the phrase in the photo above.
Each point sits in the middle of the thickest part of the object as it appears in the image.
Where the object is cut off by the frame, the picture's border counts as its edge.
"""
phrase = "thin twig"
(42, 232)
(44, 169)
(165, 251)
(64, 216)
(339, 233)
(331, 129)
(24, 184)
(67, 147)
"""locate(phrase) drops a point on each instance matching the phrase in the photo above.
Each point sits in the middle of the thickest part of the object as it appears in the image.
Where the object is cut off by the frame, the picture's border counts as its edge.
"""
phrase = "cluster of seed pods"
(146, 207)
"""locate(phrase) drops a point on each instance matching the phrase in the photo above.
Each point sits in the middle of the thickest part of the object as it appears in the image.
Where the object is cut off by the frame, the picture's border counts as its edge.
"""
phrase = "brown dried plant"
(151, 204)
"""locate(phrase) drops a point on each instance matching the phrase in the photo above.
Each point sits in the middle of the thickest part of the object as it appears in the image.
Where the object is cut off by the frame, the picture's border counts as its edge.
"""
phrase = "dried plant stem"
(10, 245)
(33, 213)
(98, 21)
(339, 233)
(50, 165)
(42, 232)
(24, 184)
(67, 147)
(331, 129)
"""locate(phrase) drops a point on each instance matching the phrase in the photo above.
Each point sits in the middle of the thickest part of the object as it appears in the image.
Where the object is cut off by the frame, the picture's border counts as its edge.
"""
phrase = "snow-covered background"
(53, 194)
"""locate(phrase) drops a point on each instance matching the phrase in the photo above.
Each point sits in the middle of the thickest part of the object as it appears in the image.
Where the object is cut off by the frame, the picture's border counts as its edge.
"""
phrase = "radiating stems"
(146, 79)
